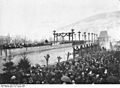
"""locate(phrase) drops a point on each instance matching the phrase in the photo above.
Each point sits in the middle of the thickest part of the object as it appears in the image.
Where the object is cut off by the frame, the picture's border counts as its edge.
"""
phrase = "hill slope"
(97, 23)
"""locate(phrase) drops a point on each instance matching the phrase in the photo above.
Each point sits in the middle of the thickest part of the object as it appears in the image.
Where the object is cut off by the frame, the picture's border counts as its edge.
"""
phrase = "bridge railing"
(82, 47)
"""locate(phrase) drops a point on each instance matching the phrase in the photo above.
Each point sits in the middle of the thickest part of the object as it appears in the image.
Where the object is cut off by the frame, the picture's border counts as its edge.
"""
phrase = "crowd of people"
(95, 67)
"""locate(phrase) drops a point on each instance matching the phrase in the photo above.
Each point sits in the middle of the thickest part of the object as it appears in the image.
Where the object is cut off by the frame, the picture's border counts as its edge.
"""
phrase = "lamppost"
(88, 37)
(72, 33)
(85, 36)
(75, 36)
(54, 33)
(79, 35)
(96, 37)
(69, 34)
(57, 37)
(92, 36)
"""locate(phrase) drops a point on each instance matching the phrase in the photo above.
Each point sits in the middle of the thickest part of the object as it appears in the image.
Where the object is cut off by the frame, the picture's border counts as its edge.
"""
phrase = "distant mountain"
(105, 21)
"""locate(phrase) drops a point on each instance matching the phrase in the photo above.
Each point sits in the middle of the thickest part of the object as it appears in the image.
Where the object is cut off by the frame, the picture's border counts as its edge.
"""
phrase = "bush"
(8, 67)
(9, 70)
(24, 64)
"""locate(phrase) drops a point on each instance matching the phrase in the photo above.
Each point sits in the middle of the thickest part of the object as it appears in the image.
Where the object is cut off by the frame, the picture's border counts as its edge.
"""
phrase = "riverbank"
(15, 52)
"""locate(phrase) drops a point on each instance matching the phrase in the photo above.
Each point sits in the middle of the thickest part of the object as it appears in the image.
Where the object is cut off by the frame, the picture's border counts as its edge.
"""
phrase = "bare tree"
(8, 41)
(17, 39)
(59, 58)
(1, 45)
(68, 55)
(47, 59)
(24, 41)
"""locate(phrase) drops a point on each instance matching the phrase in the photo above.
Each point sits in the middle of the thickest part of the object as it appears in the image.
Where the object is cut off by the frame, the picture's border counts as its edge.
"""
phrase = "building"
(104, 39)
(3, 39)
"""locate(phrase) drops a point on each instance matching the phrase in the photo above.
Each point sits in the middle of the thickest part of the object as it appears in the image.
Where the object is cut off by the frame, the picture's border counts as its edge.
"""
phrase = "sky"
(36, 19)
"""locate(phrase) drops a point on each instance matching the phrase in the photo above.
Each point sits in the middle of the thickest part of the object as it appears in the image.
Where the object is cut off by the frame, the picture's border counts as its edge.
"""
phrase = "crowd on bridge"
(22, 45)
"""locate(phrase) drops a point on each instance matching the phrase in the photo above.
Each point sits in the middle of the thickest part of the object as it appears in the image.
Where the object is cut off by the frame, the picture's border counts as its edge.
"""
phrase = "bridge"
(83, 38)
(85, 42)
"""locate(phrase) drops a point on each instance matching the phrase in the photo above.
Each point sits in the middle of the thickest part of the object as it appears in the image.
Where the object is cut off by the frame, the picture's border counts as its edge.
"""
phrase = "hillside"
(105, 21)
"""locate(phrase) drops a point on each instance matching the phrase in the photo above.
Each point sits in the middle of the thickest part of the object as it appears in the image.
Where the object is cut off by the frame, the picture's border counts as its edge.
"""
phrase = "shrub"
(9, 70)
(24, 63)
(8, 67)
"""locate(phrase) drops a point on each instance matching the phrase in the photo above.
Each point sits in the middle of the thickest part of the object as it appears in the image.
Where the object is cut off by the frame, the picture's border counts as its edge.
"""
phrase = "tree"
(68, 55)
(47, 59)
(25, 42)
(9, 70)
(46, 41)
(59, 58)
(24, 63)
(1, 45)
(8, 67)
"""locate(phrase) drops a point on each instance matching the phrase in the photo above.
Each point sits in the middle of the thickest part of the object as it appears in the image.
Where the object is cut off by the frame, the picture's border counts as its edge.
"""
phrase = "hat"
(13, 77)
(112, 79)
(66, 79)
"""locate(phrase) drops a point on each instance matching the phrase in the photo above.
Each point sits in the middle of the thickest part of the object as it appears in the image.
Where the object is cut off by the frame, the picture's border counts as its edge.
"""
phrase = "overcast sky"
(38, 18)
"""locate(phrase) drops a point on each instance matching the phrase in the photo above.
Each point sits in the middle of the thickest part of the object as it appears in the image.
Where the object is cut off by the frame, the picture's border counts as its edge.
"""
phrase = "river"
(38, 57)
